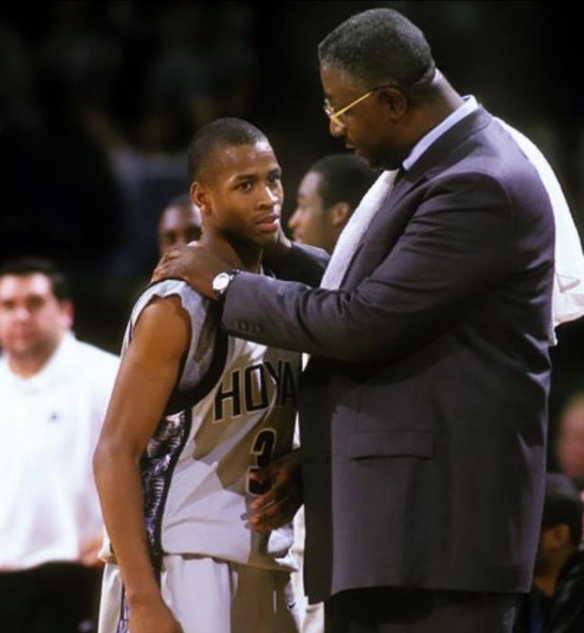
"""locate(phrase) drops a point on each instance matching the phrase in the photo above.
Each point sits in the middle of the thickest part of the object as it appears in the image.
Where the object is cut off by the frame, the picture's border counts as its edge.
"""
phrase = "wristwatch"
(221, 282)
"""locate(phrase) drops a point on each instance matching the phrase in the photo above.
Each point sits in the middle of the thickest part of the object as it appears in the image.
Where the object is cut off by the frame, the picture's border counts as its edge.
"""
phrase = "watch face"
(221, 282)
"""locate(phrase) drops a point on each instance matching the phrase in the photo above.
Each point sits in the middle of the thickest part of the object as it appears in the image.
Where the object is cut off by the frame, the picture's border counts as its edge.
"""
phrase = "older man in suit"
(423, 406)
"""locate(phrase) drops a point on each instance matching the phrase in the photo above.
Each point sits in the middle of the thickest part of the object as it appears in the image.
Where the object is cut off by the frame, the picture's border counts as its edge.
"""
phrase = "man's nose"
(270, 197)
(22, 313)
(336, 129)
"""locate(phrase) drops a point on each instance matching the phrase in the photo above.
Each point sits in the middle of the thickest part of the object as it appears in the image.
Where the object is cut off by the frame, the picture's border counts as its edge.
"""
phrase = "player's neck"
(243, 255)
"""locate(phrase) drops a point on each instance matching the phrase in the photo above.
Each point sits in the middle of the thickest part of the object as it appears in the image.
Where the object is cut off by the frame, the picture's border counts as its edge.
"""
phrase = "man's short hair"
(36, 265)
(344, 178)
(563, 506)
(219, 133)
(380, 47)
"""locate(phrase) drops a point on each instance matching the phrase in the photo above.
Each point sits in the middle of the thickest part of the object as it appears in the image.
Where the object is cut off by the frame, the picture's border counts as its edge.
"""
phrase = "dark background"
(98, 101)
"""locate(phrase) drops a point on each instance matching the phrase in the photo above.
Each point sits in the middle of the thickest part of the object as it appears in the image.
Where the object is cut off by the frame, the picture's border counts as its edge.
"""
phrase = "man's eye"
(275, 178)
(35, 304)
(244, 186)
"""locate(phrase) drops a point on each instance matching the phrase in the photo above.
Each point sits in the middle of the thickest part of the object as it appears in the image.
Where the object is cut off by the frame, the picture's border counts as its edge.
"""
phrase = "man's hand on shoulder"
(195, 264)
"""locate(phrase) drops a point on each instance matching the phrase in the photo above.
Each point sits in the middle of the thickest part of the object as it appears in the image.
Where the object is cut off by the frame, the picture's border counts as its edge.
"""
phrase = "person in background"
(556, 601)
(328, 194)
(180, 223)
(570, 438)
(54, 392)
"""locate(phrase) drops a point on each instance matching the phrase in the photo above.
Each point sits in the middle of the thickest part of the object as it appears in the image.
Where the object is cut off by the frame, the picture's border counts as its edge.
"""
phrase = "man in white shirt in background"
(54, 392)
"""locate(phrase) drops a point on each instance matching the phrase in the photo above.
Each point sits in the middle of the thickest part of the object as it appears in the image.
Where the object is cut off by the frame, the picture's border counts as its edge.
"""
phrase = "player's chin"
(266, 238)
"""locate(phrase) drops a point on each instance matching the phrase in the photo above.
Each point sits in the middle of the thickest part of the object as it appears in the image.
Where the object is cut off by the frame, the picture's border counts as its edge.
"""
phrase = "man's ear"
(338, 214)
(67, 314)
(200, 196)
(394, 100)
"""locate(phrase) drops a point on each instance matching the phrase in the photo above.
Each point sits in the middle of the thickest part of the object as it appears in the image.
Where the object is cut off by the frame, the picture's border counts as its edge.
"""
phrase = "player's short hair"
(344, 178)
(563, 506)
(228, 131)
(381, 47)
(32, 265)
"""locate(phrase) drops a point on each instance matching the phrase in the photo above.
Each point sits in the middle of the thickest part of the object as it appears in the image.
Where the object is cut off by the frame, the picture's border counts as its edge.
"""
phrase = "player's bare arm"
(148, 373)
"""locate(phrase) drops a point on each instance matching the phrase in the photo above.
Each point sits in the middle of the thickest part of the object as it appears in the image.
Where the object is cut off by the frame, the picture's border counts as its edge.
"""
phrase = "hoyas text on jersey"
(252, 388)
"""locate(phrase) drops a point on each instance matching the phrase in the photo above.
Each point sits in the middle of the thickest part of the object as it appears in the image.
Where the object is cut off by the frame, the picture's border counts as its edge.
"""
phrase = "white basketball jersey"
(232, 412)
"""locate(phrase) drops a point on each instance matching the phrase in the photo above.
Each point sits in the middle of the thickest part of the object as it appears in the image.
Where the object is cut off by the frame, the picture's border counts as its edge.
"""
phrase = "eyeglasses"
(334, 116)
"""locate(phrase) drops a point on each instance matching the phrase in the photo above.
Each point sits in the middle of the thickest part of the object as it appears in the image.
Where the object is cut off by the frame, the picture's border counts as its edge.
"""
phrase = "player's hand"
(154, 617)
(278, 506)
(195, 264)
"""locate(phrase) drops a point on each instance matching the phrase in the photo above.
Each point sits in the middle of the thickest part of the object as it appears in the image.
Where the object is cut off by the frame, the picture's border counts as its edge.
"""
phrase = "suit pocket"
(391, 444)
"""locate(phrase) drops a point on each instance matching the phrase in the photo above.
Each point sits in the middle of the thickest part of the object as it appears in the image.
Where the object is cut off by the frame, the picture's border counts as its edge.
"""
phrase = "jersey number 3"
(262, 451)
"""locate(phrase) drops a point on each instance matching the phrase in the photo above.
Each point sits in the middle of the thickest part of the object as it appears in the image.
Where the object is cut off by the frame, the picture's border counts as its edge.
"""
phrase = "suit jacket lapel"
(435, 157)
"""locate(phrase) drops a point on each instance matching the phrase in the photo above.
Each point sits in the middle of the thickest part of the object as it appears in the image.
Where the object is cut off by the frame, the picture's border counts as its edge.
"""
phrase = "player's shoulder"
(191, 301)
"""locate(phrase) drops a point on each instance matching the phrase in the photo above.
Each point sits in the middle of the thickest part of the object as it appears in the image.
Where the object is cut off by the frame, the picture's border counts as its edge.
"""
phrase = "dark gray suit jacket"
(424, 405)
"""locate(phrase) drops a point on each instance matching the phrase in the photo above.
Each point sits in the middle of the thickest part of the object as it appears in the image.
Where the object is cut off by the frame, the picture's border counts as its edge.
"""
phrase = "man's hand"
(154, 617)
(278, 506)
(196, 264)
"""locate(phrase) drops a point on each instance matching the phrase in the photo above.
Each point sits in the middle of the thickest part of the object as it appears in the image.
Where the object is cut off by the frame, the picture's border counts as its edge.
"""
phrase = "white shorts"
(311, 615)
(207, 595)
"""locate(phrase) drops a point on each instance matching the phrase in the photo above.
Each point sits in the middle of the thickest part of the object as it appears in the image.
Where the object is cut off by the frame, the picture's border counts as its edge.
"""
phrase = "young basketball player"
(193, 414)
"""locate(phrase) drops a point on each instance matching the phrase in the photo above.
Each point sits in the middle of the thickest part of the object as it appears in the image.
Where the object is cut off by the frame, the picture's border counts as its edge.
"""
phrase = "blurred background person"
(570, 438)
(180, 223)
(556, 602)
(54, 392)
(327, 196)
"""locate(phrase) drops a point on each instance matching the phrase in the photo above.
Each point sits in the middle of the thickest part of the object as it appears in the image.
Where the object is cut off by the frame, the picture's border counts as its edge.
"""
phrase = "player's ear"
(200, 197)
